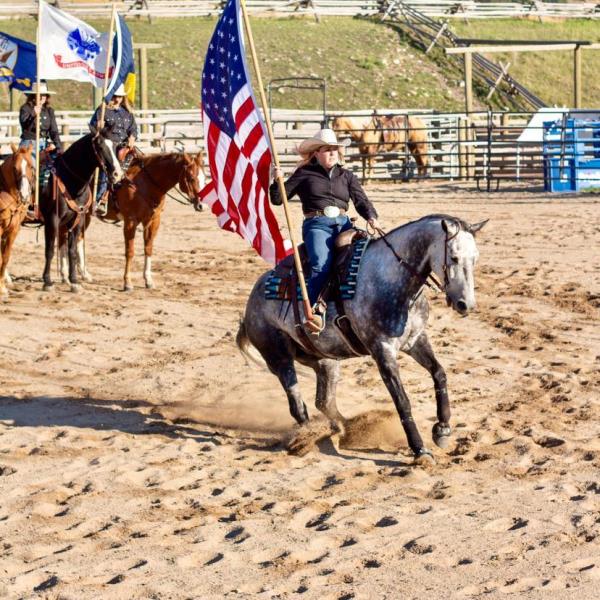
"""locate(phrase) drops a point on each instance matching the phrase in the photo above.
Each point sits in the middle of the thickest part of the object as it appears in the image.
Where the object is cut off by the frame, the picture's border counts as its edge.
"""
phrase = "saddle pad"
(348, 283)
(279, 287)
(279, 282)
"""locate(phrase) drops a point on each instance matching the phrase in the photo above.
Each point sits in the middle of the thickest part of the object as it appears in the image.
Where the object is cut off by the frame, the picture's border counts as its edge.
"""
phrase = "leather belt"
(320, 213)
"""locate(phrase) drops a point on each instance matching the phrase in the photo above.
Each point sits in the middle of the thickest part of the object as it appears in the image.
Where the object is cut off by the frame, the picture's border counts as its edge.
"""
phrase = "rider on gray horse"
(325, 189)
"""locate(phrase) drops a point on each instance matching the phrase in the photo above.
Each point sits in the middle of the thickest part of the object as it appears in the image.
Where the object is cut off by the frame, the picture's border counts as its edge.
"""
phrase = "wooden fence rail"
(458, 9)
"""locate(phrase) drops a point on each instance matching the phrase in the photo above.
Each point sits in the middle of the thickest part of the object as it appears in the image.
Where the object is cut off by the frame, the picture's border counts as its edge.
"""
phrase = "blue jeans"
(319, 235)
(102, 185)
(28, 143)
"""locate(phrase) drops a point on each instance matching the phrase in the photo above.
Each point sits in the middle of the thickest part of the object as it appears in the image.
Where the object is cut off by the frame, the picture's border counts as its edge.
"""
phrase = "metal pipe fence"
(558, 147)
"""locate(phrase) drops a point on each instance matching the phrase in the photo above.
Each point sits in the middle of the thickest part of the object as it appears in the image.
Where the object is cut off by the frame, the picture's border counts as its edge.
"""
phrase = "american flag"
(238, 151)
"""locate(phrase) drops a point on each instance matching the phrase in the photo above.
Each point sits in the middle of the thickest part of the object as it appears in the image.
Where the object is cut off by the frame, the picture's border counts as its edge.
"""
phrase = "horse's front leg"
(50, 229)
(129, 235)
(150, 231)
(8, 239)
(72, 238)
(3, 266)
(63, 254)
(385, 356)
(81, 264)
(422, 352)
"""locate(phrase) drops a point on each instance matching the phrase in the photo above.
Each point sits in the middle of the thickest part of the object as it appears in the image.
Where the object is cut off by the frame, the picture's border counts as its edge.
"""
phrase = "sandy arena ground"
(139, 454)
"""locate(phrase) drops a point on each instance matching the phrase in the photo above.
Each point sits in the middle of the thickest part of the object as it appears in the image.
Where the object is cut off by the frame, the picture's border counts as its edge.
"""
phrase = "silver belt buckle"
(331, 211)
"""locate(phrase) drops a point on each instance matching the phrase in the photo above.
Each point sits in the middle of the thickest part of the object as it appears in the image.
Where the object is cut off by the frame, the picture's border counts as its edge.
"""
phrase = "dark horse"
(388, 313)
(66, 201)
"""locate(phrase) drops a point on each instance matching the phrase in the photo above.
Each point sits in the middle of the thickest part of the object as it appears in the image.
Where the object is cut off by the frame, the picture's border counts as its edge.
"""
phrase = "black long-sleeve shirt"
(318, 189)
(120, 124)
(48, 126)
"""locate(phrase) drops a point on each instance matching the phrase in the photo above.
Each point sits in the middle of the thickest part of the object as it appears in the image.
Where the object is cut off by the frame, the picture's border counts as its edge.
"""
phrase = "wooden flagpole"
(306, 302)
(36, 197)
(105, 86)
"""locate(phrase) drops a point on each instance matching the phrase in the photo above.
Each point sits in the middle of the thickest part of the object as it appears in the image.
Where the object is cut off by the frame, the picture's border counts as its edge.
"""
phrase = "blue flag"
(17, 62)
(124, 64)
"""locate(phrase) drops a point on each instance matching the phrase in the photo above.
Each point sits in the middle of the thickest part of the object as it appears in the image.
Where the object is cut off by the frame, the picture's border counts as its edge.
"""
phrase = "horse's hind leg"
(328, 374)
(422, 352)
(129, 228)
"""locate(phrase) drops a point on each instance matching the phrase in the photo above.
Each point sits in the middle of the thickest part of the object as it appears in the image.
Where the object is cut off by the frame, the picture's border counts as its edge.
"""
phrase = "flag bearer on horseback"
(49, 135)
(121, 129)
(50, 144)
(325, 189)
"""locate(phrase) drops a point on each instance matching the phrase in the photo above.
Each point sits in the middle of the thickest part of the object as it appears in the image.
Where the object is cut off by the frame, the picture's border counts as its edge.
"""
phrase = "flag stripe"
(238, 152)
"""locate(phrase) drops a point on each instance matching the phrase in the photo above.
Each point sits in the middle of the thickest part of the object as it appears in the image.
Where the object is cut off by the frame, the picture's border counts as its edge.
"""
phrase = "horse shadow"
(101, 415)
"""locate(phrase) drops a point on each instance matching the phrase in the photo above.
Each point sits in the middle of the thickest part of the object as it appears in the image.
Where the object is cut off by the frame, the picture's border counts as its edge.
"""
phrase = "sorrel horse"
(66, 201)
(388, 314)
(387, 134)
(16, 186)
(141, 199)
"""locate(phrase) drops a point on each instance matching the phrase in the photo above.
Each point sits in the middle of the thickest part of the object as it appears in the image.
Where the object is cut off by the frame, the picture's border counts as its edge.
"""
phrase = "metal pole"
(577, 77)
(306, 302)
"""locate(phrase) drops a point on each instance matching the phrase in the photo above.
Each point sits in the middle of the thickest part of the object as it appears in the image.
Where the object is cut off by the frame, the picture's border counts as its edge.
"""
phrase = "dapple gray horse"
(388, 313)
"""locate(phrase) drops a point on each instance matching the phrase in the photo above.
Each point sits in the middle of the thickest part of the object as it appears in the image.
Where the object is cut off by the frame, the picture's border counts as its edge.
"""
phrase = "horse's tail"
(245, 346)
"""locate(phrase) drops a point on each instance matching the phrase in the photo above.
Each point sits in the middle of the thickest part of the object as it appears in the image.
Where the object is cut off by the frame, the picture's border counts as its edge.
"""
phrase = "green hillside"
(365, 63)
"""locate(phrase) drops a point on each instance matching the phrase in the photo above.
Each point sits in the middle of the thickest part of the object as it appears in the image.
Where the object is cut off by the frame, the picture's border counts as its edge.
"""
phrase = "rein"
(424, 280)
(157, 186)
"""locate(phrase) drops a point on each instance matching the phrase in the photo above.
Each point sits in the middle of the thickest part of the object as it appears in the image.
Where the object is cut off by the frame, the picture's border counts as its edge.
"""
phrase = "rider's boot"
(102, 205)
(316, 323)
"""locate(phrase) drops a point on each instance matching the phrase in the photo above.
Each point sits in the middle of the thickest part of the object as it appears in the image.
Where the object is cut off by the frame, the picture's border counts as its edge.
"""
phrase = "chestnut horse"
(16, 185)
(140, 198)
(387, 134)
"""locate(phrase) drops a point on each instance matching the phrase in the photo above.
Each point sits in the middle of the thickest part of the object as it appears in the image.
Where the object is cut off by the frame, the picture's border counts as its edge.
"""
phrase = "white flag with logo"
(70, 48)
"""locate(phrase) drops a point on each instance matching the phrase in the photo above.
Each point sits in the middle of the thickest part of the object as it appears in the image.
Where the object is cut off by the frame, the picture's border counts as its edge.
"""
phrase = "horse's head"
(454, 263)
(23, 170)
(104, 149)
(345, 126)
(193, 179)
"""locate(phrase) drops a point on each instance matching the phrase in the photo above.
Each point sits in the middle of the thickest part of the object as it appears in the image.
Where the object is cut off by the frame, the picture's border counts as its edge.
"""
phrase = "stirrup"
(101, 209)
(315, 325)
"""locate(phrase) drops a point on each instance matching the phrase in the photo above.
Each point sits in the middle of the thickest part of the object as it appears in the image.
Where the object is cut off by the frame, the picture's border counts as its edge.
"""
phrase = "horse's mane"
(155, 158)
(434, 217)
(74, 147)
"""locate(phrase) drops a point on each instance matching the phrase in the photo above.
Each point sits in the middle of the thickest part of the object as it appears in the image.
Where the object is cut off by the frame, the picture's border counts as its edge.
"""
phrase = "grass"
(365, 63)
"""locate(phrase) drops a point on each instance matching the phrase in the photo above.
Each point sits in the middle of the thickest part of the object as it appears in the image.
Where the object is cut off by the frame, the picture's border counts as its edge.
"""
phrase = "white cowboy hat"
(120, 91)
(324, 137)
(44, 91)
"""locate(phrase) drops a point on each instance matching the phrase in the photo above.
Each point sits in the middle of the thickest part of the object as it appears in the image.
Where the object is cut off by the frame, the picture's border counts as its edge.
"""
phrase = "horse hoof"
(88, 278)
(128, 287)
(441, 435)
(48, 287)
(75, 287)
(424, 458)
(149, 285)
(64, 280)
